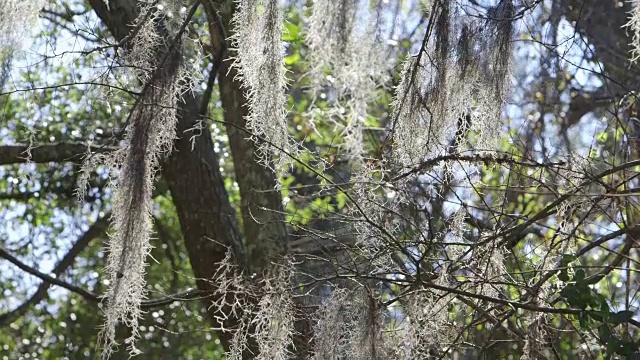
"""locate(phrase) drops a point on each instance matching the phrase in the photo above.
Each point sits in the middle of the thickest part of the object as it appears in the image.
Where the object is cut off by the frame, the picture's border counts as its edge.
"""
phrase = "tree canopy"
(319, 179)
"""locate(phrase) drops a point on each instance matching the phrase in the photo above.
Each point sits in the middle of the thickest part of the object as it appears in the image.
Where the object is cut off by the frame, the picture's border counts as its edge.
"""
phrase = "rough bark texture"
(261, 205)
(207, 218)
(119, 17)
(61, 152)
(601, 23)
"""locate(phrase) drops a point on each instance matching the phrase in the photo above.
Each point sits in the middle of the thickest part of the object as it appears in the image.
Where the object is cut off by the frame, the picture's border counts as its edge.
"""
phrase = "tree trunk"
(207, 219)
(261, 205)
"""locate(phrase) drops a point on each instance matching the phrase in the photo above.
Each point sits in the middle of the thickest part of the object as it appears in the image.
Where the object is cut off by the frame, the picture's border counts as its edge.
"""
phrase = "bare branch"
(57, 152)
(92, 233)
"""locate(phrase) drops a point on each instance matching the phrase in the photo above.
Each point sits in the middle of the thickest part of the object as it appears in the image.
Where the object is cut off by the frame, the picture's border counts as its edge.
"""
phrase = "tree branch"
(473, 158)
(48, 280)
(93, 232)
(58, 152)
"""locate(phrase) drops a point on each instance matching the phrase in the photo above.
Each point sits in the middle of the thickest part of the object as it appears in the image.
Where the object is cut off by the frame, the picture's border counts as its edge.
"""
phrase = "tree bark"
(60, 152)
(601, 23)
(207, 219)
(261, 204)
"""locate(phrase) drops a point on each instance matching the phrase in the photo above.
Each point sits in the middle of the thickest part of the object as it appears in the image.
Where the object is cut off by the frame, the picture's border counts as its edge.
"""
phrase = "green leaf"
(612, 347)
(605, 333)
(634, 356)
(598, 315)
(567, 259)
(292, 59)
(563, 276)
(621, 317)
(291, 32)
(579, 296)
(584, 320)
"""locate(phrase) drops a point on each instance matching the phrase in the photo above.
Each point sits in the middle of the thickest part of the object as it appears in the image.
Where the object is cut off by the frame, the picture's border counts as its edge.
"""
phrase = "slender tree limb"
(63, 192)
(592, 245)
(94, 231)
(66, 26)
(585, 102)
(97, 229)
(218, 47)
(73, 84)
(629, 243)
(57, 152)
(20, 195)
(86, 294)
(473, 158)
(511, 303)
(50, 280)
